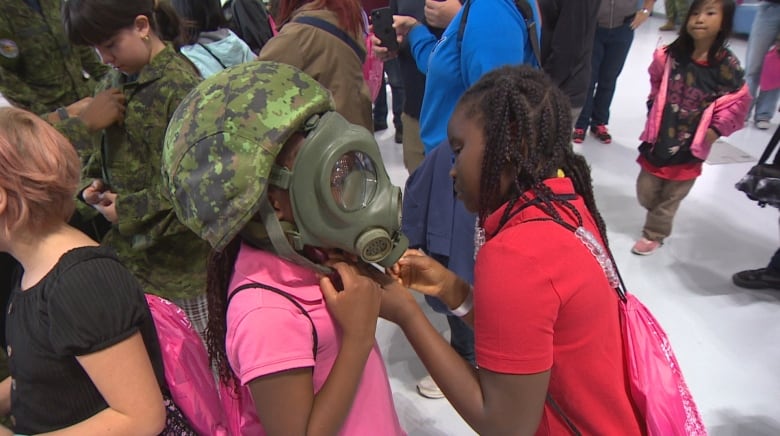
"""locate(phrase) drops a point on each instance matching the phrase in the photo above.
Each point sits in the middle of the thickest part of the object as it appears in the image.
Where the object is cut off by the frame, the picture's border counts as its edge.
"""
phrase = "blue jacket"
(214, 47)
(439, 224)
(495, 35)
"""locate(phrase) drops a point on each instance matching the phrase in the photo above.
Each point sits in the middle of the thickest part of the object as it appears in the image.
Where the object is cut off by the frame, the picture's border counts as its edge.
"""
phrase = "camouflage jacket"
(39, 70)
(168, 258)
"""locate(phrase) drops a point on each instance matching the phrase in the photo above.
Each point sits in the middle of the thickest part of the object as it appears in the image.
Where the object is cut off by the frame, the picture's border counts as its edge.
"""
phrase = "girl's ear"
(3, 201)
(142, 26)
(275, 198)
(3, 207)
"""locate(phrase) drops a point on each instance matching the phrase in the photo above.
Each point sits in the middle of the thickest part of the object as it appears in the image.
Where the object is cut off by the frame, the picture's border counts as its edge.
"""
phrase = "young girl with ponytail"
(120, 138)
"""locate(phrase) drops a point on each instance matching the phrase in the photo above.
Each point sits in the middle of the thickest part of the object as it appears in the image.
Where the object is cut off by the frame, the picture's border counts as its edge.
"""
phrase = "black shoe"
(756, 279)
(399, 136)
(379, 126)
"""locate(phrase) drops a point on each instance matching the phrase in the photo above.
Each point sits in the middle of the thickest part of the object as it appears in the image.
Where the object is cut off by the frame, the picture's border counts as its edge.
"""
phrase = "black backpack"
(249, 20)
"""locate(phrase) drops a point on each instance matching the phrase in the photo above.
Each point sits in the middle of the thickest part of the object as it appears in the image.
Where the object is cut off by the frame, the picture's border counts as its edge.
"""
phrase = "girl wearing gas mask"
(259, 164)
(547, 331)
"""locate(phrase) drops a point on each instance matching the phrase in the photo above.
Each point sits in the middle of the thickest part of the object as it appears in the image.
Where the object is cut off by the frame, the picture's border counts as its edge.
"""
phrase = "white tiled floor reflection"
(727, 339)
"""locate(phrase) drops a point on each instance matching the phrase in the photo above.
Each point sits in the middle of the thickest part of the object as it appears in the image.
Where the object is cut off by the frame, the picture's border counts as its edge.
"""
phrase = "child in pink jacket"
(698, 94)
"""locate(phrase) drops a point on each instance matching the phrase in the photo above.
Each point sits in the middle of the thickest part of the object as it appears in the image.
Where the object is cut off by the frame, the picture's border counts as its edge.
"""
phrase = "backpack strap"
(335, 31)
(287, 296)
(566, 419)
(770, 148)
(213, 55)
(530, 25)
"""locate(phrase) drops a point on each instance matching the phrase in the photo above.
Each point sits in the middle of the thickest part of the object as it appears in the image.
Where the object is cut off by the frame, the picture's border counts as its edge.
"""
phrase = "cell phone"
(382, 19)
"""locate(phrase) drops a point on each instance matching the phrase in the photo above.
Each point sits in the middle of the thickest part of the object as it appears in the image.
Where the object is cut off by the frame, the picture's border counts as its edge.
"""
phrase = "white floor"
(727, 339)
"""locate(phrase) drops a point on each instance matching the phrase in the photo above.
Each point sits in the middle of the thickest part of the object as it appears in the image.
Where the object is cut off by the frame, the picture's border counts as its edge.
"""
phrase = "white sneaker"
(762, 124)
(428, 388)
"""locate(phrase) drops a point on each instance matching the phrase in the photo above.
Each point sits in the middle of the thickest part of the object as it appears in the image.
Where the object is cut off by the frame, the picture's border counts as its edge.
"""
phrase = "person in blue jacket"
(483, 36)
(210, 45)
(493, 35)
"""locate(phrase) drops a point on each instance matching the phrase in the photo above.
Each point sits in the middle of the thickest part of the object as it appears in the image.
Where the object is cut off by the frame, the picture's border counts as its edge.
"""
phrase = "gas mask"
(340, 193)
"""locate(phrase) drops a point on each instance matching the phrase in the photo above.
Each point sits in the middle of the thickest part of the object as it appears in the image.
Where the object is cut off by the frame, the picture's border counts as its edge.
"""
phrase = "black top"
(9, 268)
(568, 31)
(413, 79)
(86, 303)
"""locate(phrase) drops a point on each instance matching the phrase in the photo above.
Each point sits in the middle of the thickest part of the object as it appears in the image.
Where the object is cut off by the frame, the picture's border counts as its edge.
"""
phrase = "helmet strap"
(278, 237)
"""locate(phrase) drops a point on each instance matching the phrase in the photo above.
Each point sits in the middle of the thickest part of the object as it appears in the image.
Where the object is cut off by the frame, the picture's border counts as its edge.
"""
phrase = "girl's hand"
(422, 273)
(106, 109)
(107, 207)
(93, 194)
(356, 308)
(102, 199)
(397, 302)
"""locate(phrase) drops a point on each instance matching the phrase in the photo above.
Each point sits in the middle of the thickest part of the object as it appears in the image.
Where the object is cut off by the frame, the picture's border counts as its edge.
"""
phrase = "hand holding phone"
(382, 20)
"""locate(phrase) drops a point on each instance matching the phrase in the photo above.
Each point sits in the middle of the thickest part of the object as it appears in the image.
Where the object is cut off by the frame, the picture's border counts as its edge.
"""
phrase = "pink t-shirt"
(266, 333)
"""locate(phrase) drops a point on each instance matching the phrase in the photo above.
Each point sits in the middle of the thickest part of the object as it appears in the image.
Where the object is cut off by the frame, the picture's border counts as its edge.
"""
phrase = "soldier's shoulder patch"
(8, 49)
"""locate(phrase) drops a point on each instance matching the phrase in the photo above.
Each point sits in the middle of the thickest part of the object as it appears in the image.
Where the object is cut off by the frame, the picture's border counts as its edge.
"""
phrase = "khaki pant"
(414, 151)
(661, 198)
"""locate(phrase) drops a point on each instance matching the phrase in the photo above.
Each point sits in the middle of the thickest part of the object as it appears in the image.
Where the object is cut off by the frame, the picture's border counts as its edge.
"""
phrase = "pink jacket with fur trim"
(725, 115)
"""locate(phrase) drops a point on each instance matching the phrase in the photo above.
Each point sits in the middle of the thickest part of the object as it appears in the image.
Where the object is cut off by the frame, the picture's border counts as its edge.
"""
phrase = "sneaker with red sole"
(645, 247)
(578, 136)
(601, 133)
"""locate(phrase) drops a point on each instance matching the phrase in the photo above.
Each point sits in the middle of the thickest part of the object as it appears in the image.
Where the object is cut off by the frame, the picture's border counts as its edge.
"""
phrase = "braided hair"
(219, 271)
(526, 122)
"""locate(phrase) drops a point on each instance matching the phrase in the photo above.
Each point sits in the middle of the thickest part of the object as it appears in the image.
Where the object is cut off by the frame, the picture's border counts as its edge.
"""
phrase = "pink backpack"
(187, 370)
(373, 67)
(657, 384)
(656, 381)
(770, 70)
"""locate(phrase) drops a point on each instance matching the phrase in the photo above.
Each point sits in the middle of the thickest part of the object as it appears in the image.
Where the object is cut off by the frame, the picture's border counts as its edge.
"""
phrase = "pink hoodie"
(726, 114)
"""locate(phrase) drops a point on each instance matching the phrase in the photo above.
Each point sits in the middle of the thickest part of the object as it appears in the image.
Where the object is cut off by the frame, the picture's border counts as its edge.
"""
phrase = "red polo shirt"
(542, 302)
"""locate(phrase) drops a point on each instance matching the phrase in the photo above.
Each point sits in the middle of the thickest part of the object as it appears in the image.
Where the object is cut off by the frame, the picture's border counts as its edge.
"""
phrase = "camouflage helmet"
(224, 138)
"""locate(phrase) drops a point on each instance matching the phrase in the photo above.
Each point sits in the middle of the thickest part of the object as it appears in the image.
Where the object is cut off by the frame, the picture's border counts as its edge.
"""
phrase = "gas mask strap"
(279, 240)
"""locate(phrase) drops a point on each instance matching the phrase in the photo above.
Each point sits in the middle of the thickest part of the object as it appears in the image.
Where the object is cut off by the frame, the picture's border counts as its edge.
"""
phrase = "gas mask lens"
(353, 181)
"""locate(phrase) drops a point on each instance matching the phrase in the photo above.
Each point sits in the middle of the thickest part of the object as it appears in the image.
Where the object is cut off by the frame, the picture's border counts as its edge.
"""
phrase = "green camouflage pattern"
(39, 70)
(224, 138)
(166, 257)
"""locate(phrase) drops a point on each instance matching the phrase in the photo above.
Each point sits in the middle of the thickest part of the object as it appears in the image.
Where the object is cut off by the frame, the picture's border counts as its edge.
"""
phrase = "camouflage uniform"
(39, 70)
(165, 256)
(224, 138)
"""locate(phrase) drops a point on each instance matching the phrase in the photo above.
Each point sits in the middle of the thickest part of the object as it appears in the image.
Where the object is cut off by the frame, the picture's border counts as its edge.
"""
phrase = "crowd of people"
(150, 150)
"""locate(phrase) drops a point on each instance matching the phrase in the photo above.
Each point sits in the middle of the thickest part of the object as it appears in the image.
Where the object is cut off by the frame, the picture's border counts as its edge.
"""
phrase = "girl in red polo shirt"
(698, 94)
(545, 316)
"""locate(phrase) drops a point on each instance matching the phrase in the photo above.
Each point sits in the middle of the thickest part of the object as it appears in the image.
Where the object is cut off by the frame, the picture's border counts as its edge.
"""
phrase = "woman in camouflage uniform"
(120, 136)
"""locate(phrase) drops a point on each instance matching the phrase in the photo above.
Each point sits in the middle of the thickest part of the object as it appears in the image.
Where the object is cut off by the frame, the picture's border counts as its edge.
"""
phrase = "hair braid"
(526, 120)
(220, 270)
